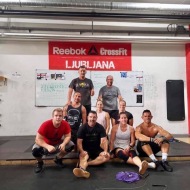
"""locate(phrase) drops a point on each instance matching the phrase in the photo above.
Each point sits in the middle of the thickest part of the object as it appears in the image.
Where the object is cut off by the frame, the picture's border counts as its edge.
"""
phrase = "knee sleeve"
(38, 152)
(122, 156)
(132, 153)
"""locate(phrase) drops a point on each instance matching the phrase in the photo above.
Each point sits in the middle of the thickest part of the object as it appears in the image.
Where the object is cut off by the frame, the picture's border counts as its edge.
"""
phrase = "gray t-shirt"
(84, 87)
(109, 96)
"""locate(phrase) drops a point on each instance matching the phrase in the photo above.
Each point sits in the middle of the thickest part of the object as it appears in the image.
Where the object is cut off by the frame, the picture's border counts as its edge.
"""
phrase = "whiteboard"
(130, 84)
(52, 86)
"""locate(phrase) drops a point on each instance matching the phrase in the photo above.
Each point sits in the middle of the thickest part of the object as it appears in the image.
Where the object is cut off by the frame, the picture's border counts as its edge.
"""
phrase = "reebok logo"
(68, 51)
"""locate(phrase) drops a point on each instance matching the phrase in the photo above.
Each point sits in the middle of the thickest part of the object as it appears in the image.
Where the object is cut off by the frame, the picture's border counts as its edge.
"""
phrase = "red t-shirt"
(51, 134)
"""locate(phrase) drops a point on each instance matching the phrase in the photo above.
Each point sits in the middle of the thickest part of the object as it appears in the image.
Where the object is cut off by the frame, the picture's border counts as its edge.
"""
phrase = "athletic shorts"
(39, 151)
(94, 154)
(155, 148)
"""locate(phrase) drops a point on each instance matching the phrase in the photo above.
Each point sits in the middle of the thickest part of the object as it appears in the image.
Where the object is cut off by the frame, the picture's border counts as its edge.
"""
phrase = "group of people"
(78, 128)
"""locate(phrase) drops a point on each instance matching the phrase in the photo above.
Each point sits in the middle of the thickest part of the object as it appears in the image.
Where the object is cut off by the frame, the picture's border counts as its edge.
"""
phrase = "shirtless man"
(150, 144)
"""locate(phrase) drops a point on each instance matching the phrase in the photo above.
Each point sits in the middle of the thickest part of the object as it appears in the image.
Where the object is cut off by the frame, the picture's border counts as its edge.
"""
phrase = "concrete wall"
(18, 61)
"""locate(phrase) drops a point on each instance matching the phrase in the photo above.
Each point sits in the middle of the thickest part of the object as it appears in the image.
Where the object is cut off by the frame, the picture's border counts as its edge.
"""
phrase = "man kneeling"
(92, 144)
(53, 137)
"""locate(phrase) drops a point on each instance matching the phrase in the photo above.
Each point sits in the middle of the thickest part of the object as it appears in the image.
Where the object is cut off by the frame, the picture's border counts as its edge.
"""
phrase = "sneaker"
(166, 166)
(39, 167)
(157, 163)
(151, 165)
(143, 167)
(59, 162)
(79, 172)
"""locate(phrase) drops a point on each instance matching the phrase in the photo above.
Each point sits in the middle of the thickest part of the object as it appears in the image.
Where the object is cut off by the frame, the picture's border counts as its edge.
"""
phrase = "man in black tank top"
(75, 114)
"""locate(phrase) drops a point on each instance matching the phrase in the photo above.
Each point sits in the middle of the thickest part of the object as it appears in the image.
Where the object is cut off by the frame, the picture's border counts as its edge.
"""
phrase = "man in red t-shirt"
(53, 137)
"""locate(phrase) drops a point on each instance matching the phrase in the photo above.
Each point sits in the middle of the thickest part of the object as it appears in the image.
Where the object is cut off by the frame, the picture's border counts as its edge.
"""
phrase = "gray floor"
(22, 177)
(102, 178)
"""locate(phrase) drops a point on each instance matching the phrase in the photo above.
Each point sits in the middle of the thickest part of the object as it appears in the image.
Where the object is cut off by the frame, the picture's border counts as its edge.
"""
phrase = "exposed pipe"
(136, 8)
(94, 38)
(53, 14)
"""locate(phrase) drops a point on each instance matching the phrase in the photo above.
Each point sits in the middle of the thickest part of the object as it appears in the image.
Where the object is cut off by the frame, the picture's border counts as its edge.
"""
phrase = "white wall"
(18, 61)
(160, 63)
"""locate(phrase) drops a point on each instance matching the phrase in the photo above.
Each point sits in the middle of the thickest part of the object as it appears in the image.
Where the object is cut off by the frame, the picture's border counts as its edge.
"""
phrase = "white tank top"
(122, 139)
(102, 119)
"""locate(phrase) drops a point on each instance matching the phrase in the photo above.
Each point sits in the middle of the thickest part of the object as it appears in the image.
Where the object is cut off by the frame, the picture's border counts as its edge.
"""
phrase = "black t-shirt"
(116, 116)
(84, 87)
(91, 136)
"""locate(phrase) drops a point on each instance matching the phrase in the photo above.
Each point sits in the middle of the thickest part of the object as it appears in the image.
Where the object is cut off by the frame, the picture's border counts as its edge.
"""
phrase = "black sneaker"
(157, 163)
(166, 166)
(59, 162)
(39, 167)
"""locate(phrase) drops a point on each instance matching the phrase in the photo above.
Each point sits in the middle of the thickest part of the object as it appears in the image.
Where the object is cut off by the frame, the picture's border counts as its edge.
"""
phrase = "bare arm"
(104, 144)
(70, 91)
(107, 123)
(100, 98)
(120, 98)
(92, 92)
(112, 137)
(40, 141)
(83, 115)
(67, 138)
(140, 136)
(65, 111)
(79, 145)
(164, 133)
(132, 143)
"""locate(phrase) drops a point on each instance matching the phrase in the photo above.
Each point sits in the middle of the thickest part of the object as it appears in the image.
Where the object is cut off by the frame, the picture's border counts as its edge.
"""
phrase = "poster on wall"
(95, 56)
(52, 86)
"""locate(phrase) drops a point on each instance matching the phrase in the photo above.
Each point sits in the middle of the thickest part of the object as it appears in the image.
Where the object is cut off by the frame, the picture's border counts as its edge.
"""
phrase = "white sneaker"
(151, 165)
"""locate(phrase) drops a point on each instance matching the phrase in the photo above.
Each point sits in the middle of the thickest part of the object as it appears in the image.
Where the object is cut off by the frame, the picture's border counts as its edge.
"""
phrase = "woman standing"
(103, 117)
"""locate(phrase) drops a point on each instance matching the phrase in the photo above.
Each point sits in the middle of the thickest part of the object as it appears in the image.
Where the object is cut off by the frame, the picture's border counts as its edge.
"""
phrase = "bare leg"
(99, 160)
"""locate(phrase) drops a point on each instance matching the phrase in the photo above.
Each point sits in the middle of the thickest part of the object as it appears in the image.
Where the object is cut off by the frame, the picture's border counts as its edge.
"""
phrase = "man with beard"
(110, 95)
(75, 114)
(92, 144)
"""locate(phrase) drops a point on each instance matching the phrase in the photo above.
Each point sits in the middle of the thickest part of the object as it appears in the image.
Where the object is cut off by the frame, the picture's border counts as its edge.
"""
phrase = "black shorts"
(132, 153)
(74, 136)
(94, 154)
(88, 109)
(155, 148)
(112, 113)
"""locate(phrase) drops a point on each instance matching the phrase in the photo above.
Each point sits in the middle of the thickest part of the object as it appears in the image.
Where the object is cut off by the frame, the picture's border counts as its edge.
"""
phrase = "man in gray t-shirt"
(110, 95)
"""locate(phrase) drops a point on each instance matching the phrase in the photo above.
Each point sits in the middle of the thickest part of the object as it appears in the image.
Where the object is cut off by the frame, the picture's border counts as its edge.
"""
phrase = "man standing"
(75, 114)
(53, 137)
(92, 144)
(84, 86)
(150, 144)
(110, 95)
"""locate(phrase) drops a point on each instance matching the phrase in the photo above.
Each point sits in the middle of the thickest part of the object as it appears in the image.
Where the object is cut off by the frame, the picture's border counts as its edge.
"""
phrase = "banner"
(95, 56)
